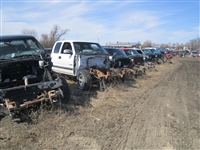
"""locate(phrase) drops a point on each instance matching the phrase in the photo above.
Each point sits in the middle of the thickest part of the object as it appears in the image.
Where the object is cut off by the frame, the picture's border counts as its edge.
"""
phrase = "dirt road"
(168, 114)
(160, 110)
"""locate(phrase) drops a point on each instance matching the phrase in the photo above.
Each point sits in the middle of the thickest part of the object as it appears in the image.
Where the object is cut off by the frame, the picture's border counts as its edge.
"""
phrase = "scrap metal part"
(112, 75)
(150, 65)
(113, 72)
(130, 72)
(24, 96)
(99, 74)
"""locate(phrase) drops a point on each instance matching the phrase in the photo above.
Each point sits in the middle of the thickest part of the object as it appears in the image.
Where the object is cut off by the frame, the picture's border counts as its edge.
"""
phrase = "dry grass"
(92, 117)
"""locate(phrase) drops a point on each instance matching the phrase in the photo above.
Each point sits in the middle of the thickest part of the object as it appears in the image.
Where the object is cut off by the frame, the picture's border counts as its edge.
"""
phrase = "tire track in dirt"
(167, 123)
(143, 103)
(188, 119)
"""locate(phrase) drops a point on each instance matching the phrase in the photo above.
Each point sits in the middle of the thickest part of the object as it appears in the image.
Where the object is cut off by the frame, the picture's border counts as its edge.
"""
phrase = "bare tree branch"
(29, 32)
(48, 40)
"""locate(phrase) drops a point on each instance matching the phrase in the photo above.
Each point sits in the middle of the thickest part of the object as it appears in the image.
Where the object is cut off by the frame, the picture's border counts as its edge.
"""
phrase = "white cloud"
(182, 34)
(102, 21)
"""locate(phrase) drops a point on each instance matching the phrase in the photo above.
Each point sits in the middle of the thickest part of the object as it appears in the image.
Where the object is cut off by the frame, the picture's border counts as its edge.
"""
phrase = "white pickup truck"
(84, 60)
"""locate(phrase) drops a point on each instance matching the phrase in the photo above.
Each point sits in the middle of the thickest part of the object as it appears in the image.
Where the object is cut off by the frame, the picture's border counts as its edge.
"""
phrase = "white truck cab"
(80, 58)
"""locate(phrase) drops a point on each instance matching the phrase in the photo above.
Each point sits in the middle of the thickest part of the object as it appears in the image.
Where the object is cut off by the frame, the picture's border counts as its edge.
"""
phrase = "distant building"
(128, 44)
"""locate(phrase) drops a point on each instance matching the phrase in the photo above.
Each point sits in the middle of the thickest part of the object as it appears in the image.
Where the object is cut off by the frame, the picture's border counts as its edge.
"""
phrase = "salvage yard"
(159, 110)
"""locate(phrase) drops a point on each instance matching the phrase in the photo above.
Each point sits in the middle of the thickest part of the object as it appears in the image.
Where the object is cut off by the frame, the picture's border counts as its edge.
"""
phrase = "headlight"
(156, 55)
(144, 58)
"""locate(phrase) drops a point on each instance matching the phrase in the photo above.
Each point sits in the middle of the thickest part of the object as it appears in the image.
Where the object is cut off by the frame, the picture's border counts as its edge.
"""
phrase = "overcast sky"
(160, 21)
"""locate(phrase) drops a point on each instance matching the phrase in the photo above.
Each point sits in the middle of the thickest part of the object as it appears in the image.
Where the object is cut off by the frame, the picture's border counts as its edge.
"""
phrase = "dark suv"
(157, 52)
(149, 55)
(26, 79)
(119, 59)
(121, 63)
(133, 54)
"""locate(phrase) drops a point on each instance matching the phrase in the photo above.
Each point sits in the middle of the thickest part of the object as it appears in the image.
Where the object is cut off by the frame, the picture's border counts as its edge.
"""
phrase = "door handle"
(59, 57)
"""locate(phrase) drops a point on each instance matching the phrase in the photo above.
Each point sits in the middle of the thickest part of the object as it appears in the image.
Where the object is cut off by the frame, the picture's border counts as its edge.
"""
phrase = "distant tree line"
(193, 44)
(48, 40)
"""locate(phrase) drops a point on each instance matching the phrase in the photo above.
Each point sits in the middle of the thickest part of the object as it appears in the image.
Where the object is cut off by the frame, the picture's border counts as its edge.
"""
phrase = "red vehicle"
(133, 54)
(198, 54)
(169, 55)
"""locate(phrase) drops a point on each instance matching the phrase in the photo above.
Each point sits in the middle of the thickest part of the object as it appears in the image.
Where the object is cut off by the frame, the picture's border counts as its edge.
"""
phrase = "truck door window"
(66, 45)
(57, 47)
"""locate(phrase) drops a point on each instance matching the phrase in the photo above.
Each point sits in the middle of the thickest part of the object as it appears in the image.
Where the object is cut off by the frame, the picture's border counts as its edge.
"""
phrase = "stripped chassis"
(112, 75)
(26, 96)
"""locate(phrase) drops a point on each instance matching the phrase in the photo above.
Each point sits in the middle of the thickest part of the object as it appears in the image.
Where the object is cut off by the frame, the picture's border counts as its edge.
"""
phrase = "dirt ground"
(159, 110)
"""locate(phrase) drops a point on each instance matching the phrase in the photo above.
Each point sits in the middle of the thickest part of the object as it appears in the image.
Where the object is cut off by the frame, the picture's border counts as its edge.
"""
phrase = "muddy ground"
(159, 110)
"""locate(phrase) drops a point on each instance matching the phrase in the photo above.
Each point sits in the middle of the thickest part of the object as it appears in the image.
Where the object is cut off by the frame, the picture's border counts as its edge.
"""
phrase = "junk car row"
(30, 76)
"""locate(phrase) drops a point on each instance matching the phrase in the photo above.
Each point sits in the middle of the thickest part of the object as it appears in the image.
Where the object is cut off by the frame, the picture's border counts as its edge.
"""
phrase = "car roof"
(111, 48)
(77, 41)
(129, 48)
(4, 37)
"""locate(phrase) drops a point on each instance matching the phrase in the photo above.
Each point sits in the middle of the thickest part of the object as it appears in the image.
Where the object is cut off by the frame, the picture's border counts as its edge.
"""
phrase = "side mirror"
(110, 58)
(41, 64)
(67, 51)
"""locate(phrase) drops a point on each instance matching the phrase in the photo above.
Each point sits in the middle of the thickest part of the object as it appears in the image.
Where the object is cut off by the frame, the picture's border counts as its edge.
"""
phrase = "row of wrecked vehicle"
(30, 77)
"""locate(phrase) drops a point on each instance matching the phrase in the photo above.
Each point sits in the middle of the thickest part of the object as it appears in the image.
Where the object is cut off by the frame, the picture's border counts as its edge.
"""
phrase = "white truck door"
(63, 62)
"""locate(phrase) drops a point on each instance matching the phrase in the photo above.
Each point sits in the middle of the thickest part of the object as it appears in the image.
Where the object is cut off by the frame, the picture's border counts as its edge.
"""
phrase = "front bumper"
(24, 96)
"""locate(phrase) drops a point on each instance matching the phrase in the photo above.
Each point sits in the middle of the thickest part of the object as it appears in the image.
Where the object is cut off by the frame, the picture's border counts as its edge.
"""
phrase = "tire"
(84, 80)
(65, 97)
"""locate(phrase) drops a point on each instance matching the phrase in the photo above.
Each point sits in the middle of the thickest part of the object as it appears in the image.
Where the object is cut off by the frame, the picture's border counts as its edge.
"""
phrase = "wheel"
(84, 80)
(65, 97)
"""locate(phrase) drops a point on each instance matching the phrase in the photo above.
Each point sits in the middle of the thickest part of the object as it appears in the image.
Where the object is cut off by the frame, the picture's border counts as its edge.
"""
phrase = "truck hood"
(100, 62)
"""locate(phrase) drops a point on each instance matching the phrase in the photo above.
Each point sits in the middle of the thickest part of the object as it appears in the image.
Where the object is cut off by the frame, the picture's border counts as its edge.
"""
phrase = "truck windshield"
(147, 51)
(19, 47)
(117, 53)
(157, 52)
(88, 48)
(131, 52)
